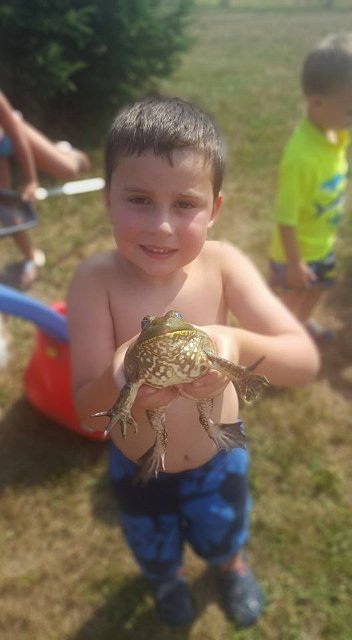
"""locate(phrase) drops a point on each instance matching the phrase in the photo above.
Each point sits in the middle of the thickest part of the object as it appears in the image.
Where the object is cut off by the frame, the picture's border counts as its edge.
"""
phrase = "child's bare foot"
(81, 158)
(30, 269)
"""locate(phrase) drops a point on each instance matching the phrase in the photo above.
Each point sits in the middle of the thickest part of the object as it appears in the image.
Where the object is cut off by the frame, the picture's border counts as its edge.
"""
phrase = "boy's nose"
(162, 222)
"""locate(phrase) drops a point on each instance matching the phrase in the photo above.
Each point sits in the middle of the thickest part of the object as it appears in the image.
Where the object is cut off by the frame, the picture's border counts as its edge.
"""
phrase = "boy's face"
(161, 212)
(332, 111)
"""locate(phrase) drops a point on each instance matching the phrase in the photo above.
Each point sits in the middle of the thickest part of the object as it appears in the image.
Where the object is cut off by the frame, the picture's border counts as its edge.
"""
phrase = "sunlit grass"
(65, 572)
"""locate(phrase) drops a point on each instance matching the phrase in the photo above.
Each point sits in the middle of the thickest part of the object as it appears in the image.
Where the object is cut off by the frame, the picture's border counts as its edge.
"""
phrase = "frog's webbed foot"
(120, 413)
(247, 383)
(225, 437)
(153, 460)
(117, 419)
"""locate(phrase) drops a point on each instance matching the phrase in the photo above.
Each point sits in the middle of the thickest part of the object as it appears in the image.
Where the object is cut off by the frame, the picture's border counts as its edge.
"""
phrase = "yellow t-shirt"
(310, 197)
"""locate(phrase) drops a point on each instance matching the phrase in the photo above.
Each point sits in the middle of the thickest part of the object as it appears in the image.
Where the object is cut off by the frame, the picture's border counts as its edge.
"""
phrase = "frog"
(169, 351)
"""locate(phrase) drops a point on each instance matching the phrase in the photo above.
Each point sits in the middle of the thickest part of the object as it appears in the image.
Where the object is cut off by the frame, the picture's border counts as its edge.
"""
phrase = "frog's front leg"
(225, 437)
(121, 411)
(247, 383)
(153, 460)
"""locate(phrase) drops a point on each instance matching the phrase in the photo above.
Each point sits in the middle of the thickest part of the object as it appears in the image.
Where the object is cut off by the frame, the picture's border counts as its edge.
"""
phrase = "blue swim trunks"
(5, 146)
(207, 507)
(324, 269)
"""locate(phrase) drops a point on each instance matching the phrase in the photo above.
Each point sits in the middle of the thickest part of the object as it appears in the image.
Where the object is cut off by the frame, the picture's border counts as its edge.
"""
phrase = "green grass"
(65, 573)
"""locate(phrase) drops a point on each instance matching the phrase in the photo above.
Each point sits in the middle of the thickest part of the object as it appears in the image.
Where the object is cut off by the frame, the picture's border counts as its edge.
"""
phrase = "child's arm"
(267, 326)
(298, 274)
(267, 329)
(96, 365)
(13, 129)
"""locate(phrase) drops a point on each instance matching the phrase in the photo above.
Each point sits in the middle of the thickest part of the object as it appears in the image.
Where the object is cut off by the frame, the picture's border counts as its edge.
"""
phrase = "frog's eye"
(146, 321)
(176, 314)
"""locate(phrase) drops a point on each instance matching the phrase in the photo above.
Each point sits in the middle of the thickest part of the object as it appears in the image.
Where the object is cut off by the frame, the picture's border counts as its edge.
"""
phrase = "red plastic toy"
(47, 381)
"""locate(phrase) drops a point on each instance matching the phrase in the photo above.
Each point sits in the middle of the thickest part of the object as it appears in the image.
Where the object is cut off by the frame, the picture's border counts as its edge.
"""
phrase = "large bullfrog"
(169, 351)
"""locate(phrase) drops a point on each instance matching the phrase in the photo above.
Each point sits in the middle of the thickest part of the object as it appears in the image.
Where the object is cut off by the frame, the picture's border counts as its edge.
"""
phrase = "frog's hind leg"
(153, 460)
(225, 437)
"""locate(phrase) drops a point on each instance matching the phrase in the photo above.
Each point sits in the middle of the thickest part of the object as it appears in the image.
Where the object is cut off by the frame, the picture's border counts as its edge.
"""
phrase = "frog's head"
(153, 326)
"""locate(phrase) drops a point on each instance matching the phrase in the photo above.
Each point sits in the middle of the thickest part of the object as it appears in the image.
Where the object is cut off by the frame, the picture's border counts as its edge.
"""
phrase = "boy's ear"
(314, 100)
(215, 211)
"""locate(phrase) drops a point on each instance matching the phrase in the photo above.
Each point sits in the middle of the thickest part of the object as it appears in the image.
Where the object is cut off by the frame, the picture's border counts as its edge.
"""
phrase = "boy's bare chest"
(199, 299)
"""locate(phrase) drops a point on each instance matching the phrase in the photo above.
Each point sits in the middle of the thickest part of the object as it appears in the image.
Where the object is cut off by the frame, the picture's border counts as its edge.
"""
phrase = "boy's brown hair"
(163, 125)
(328, 66)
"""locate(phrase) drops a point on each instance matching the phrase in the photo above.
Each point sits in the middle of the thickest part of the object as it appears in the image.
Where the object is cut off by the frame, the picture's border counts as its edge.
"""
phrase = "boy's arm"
(295, 188)
(267, 326)
(96, 364)
(267, 329)
(298, 274)
(13, 129)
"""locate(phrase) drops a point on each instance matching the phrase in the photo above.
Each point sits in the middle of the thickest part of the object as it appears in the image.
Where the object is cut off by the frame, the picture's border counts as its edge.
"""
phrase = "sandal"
(173, 601)
(242, 597)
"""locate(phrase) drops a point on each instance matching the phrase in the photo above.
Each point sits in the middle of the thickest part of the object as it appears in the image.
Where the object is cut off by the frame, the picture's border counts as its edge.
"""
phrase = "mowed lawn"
(65, 573)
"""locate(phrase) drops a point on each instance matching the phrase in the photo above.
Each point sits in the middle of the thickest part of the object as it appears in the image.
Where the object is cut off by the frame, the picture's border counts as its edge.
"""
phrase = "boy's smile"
(161, 209)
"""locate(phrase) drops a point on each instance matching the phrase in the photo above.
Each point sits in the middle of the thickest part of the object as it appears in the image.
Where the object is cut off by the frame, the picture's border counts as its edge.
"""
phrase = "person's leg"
(56, 159)
(215, 514)
(150, 522)
(22, 239)
(4, 351)
(302, 302)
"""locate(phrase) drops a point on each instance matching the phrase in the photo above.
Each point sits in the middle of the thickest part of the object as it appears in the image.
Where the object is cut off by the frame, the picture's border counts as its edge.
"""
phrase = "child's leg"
(55, 159)
(302, 302)
(32, 258)
(149, 515)
(215, 511)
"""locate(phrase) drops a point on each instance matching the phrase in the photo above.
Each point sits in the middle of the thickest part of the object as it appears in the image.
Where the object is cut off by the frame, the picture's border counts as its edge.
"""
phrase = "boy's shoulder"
(224, 256)
(219, 251)
(98, 265)
(302, 148)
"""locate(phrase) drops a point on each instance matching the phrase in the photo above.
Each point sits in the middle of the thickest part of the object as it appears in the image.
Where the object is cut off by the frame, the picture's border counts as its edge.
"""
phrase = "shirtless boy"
(164, 170)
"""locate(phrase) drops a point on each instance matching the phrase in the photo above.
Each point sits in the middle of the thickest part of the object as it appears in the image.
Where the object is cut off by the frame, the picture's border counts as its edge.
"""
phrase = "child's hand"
(213, 383)
(28, 190)
(152, 398)
(299, 276)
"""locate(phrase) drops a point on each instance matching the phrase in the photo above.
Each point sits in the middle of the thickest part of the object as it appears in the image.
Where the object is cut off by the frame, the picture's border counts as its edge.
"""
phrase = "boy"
(164, 169)
(312, 183)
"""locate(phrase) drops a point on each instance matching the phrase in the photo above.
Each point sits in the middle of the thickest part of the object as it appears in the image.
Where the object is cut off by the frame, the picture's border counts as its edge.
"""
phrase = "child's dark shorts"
(324, 269)
(207, 507)
(5, 146)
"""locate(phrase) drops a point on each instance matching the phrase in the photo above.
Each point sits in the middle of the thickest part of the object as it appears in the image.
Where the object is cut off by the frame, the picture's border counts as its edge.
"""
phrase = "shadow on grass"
(129, 612)
(33, 448)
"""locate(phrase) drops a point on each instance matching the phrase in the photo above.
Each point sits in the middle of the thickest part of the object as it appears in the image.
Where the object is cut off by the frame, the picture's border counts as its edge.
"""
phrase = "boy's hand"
(299, 276)
(213, 383)
(152, 398)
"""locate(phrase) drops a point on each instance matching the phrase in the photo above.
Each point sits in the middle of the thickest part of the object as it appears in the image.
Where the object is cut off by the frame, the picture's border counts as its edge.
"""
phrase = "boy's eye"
(183, 204)
(139, 200)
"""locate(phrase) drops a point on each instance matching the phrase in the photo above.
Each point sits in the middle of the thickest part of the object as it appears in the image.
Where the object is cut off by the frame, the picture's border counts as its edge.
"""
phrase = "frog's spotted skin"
(167, 352)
